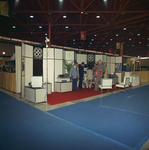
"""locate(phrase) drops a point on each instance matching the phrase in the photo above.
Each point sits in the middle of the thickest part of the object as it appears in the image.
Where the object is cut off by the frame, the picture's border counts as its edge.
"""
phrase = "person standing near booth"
(81, 74)
(100, 71)
(75, 76)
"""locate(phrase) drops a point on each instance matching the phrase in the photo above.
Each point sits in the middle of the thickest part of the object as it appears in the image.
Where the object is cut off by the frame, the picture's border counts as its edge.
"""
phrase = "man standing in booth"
(81, 74)
(75, 76)
(99, 74)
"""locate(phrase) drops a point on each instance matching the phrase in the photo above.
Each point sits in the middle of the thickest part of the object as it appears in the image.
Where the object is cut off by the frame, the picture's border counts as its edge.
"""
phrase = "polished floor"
(46, 107)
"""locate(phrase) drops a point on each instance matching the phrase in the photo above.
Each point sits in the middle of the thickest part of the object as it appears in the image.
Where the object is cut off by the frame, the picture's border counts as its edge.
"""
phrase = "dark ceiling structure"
(106, 22)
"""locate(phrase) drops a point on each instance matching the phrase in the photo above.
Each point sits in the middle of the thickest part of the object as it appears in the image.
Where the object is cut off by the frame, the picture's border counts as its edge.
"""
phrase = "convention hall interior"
(74, 74)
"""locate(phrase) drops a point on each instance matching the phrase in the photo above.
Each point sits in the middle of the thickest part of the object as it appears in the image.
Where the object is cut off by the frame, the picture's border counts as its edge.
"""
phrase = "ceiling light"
(111, 39)
(40, 27)
(74, 43)
(60, 0)
(95, 35)
(81, 12)
(90, 42)
(124, 28)
(103, 45)
(66, 27)
(138, 34)
(3, 53)
(106, 42)
(147, 44)
(133, 45)
(46, 34)
(104, 0)
(92, 39)
(97, 15)
(13, 27)
(73, 39)
(148, 38)
(123, 42)
(31, 15)
(64, 15)
(129, 39)
(139, 42)
(116, 34)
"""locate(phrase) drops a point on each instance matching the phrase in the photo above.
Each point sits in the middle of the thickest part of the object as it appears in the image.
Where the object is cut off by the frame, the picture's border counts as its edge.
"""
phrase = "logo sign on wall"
(90, 58)
(118, 67)
(38, 52)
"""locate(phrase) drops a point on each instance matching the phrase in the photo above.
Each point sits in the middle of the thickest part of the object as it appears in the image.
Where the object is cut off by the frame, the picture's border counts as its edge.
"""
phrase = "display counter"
(63, 87)
(35, 95)
(143, 75)
(8, 81)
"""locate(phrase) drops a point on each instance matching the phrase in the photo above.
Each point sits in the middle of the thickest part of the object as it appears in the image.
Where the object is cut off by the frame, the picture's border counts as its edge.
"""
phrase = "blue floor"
(23, 127)
(121, 118)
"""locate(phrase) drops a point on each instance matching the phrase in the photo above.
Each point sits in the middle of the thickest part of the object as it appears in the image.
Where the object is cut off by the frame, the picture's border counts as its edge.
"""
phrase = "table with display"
(35, 95)
(63, 86)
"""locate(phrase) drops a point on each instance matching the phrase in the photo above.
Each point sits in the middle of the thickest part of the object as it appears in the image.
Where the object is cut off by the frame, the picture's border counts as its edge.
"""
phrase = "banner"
(83, 35)
(4, 10)
(121, 49)
(110, 50)
(117, 45)
(148, 54)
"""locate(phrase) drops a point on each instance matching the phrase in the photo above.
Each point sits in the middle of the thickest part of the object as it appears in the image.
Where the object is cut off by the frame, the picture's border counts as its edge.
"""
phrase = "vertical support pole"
(49, 34)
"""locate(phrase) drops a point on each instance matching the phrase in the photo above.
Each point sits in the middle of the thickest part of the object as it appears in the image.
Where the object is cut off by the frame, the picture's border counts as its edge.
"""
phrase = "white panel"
(28, 51)
(50, 52)
(112, 68)
(119, 59)
(104, 58)
(18, 68)
(84, 58)
(69, 55)
(98, 57)
(119, 77)
(64, 54)
(108, 59)
(109, 68)
(51, 74)
(58, 68)
(113, 59)
(79, 58)
(28, 70)
(58, 53)
(23, 49)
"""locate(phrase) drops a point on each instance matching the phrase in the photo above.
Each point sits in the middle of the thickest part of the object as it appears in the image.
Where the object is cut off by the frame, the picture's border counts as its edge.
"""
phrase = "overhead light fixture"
(133, 45)
(66, 27)
(31, 15)
(116, 34)
(148, 39)
(90, 42)
(3, 53)
(129, 39)
(95, 34)
(111, 39)
(123, 42)
(40, 27)
(138, 34)
(139, 42)
(92, 39)
(73, 39)
(60, 0)
(13, 27)
(81, 12)
(97, 15)
(103, 45)
(105, 0)
(106, 42)
(64, 15)
(74, 43)
(124, 28)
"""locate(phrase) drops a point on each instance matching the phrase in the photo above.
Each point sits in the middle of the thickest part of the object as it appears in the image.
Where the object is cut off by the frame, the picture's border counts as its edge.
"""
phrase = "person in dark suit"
(81, 74)
(128, 68)
(75, 76)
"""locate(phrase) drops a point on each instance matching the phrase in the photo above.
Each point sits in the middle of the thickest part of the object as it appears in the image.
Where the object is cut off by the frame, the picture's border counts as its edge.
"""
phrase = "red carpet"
(57, 98)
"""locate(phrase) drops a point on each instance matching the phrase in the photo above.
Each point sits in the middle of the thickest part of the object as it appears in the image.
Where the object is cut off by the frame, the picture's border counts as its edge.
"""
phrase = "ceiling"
(124, 21)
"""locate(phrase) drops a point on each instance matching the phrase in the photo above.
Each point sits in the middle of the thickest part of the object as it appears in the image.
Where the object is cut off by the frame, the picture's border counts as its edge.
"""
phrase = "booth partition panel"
(18, 68)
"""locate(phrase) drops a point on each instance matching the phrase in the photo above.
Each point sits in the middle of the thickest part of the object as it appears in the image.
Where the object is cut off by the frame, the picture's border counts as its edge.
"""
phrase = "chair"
(106, 84)
(124, 84)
